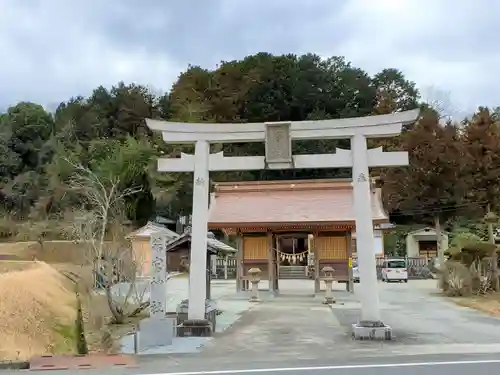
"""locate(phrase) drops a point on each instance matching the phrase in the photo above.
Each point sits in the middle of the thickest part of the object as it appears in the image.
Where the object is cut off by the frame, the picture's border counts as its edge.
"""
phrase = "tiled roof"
(287, 202)
(220, 246)
(213, 245)
(150, 228)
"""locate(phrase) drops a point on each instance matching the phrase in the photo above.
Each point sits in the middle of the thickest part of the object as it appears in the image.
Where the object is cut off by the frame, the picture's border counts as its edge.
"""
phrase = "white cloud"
(54, 49)
(51, 53)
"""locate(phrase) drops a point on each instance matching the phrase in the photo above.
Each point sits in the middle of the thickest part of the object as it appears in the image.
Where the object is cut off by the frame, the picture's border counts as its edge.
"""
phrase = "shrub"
(81, 341)
(455, 279)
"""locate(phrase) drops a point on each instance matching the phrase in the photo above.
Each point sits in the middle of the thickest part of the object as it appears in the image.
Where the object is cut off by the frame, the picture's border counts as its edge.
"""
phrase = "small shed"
(178, 251)
(140, 240)
(178, 255)
(423, 243)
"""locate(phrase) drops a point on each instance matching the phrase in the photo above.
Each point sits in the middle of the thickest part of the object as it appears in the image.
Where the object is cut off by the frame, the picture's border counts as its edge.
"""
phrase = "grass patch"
(65, 342)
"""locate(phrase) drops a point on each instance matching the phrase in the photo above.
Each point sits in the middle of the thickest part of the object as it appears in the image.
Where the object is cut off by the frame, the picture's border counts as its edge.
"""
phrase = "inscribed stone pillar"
(157, 330)
(158, 281)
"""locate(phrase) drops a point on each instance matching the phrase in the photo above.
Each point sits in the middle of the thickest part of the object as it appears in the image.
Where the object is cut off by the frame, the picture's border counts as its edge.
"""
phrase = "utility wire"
(447, 208)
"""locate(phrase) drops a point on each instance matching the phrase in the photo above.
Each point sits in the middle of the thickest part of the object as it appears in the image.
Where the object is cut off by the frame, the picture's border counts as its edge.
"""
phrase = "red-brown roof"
(274, 203)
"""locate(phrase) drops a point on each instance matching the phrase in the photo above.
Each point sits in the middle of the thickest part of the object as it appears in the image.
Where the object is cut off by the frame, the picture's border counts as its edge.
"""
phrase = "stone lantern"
(328, 279)
(254, 277)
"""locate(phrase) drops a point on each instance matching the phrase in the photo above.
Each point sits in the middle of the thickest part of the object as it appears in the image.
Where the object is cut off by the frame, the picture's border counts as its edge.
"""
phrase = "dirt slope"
(37, 312)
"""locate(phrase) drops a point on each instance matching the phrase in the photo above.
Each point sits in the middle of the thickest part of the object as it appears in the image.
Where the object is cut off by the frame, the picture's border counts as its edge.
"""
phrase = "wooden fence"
(226, 271)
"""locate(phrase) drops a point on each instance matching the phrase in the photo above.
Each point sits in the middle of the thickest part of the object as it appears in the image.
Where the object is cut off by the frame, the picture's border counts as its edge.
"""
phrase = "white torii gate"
(278, 138)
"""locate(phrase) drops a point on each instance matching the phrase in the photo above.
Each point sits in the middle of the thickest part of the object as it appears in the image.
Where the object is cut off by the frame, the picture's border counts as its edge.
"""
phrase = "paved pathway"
(297, 327)
(420, 317)
(280, 328)
(177, 289)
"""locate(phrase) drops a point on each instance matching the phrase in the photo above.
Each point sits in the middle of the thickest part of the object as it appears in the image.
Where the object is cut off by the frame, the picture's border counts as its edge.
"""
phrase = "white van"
(395, 270)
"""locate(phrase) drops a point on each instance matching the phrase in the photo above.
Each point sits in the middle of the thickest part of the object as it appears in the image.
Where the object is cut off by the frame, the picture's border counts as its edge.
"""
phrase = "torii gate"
(278, 139)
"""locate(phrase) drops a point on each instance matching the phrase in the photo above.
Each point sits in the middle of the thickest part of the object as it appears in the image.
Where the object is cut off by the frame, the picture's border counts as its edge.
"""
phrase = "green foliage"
(395, 241)
(106, 132)
(463, 239)
(65, 341)
(482, 158)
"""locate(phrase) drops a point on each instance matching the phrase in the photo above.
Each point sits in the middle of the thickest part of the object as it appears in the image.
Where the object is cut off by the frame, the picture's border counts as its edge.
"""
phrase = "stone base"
(196, 328)
(211, 312)
(154, 332)
(254, 299)
(328, 301)
(371, 331)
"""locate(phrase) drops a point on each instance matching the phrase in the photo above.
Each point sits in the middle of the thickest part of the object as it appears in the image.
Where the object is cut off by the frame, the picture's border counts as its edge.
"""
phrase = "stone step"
(301, 277)
(292, 272)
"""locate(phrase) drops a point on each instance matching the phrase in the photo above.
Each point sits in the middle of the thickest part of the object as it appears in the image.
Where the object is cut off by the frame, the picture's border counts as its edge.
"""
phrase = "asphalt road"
(428, 369)
(483, 366)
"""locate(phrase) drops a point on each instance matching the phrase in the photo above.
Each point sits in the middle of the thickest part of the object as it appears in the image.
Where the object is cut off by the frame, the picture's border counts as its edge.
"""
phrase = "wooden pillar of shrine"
(270, 262)
(350, 281)
(317, 285)
(239, 262)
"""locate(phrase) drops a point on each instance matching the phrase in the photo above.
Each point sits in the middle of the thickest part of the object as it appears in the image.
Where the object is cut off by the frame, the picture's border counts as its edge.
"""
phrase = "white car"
(395, 270)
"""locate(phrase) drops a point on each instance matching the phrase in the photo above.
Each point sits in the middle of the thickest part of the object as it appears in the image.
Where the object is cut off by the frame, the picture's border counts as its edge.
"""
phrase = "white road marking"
(333, 367)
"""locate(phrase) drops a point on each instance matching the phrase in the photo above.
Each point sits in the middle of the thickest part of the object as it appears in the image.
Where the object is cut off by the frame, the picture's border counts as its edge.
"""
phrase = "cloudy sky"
(54, 49)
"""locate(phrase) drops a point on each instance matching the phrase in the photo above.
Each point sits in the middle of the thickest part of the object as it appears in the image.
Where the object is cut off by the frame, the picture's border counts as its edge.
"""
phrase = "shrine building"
(281, 226)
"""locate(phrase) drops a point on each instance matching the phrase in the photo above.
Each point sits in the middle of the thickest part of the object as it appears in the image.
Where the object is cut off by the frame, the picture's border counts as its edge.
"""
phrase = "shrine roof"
(214, 246)
(147, 230)
(274, 203)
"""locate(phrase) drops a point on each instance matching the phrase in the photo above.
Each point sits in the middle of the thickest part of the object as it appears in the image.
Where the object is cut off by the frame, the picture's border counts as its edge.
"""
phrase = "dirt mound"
(37, 313)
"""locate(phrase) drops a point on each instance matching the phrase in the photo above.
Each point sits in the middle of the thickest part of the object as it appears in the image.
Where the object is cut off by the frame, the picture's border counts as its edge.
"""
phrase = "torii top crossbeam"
(379, 126)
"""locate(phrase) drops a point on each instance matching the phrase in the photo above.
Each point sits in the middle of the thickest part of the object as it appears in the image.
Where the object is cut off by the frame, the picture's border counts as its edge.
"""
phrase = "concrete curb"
(14, 365)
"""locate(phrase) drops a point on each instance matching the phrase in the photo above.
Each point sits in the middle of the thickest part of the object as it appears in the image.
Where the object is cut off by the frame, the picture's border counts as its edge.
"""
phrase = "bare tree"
(440, 100)
(98, 226)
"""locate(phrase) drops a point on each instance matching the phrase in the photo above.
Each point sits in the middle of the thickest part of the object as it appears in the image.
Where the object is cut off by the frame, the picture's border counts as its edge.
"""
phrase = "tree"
(110, 123)
(430, 188)
(440, 101)
(482, 168)
(394, 92)
(102, 215)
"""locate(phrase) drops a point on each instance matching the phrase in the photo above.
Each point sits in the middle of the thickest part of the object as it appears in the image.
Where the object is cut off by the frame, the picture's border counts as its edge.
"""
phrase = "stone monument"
(157, 329)
(278, 138)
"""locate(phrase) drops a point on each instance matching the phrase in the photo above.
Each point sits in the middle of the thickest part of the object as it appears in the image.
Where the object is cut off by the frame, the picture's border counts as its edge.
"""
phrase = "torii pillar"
(278, 139)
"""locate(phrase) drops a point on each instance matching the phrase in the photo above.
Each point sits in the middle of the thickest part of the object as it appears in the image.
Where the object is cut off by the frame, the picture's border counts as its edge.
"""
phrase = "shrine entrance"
(292, 250)
(290, 243)
(293, 255)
